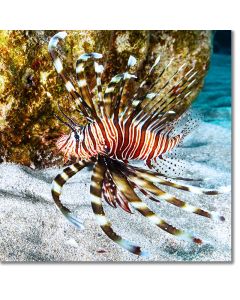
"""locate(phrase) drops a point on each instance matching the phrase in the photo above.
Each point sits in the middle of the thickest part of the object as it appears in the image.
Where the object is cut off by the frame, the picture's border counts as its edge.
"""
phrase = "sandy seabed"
(32, 229)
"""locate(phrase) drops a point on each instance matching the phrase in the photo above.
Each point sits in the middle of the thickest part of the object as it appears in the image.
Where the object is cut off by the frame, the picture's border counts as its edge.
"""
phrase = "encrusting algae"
(30, 89)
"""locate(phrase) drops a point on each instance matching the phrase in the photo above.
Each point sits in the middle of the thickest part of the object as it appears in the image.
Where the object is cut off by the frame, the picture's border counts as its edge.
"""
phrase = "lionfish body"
(122, 140)
(143, 128)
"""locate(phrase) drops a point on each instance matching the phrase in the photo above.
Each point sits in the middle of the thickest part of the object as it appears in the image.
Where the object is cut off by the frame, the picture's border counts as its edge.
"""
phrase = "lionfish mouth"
(141, 128)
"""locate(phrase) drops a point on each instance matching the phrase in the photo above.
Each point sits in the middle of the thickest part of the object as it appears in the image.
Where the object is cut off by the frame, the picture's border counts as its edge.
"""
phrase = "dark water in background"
(210, 143)
(214, 101)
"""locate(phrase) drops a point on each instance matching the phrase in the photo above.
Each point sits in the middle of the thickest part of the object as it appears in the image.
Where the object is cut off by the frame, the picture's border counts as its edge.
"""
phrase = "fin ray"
(56, 190)
(96, 193)
(83, 106)
(128, 190)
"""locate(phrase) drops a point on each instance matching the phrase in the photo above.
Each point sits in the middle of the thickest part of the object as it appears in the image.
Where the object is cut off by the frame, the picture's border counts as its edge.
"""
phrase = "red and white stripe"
(102, 137)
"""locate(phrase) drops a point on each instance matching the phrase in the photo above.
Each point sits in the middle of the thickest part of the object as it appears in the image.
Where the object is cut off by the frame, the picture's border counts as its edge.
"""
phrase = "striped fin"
(163, 71)
(153, 106)
(96, 193)
(81, 78)
(176, 97)
(98, 71)
(146, 79)
(176, 92)
(125, 187)
(139, 181)
(171, 104)
(111, 195)
(56, 190)
(157, 179)
(119, 105)
(123, 202)
(141, 103)
(112, 92)
(156, 63)
(52, 46)
(108, 193)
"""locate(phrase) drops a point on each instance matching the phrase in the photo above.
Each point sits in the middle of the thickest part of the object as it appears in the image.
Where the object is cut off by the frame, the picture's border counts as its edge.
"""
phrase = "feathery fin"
(57, 186)
(83, 106)
(81, 78)
(125, 187)
(96, 192)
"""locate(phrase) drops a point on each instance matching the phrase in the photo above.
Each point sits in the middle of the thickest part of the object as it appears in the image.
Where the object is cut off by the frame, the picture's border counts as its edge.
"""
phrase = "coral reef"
(30, 89)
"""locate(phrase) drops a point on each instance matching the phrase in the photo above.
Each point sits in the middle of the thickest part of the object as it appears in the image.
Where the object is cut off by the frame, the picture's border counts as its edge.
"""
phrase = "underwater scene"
(115, 146)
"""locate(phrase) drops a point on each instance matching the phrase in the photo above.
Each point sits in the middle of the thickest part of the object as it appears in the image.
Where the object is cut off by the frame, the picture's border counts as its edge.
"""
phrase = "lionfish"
(119, 131)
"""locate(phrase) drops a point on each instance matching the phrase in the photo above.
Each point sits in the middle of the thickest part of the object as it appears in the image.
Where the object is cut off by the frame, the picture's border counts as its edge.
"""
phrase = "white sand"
(32, 229)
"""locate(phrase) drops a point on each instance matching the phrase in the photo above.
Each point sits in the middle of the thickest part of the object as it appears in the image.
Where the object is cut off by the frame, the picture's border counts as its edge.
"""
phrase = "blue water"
(214, 101)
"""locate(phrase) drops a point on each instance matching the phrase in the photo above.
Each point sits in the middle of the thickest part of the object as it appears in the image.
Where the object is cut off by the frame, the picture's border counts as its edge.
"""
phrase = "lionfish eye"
(76, 136)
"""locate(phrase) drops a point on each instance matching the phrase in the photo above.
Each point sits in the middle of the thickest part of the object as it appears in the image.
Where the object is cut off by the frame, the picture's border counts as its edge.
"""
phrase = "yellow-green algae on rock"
(30, 88)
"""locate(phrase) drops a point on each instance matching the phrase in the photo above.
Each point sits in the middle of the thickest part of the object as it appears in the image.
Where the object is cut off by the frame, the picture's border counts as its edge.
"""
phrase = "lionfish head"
(68, 143)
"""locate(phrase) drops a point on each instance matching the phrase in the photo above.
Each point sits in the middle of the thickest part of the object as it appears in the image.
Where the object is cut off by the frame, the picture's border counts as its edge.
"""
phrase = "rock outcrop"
(30, 88)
